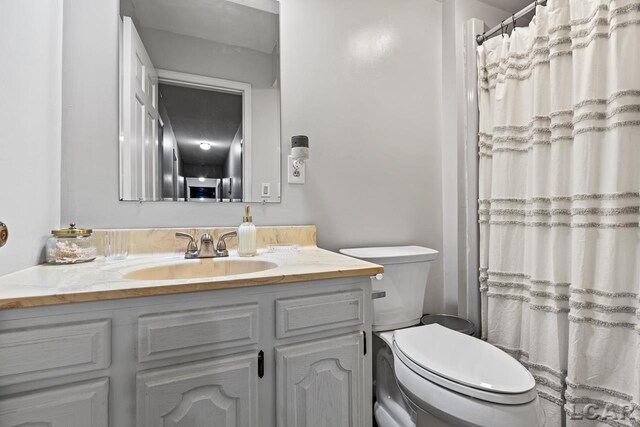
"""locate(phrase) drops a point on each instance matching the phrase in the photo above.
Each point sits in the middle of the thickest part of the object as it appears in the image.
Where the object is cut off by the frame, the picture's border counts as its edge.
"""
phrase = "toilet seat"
(455, 409)
(464, 364)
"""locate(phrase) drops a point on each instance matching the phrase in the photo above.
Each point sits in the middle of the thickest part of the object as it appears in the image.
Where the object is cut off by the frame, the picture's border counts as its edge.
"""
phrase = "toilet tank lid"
(392, 254)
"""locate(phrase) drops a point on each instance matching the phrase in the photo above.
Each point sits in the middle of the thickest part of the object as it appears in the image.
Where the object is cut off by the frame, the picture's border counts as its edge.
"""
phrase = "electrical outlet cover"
(293, 177)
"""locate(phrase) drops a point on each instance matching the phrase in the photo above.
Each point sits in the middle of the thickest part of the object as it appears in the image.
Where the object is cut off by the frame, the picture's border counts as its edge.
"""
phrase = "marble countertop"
(101, 280)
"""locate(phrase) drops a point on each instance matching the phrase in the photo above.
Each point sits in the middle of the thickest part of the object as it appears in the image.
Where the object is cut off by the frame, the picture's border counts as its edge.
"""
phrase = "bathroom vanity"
(116, 344)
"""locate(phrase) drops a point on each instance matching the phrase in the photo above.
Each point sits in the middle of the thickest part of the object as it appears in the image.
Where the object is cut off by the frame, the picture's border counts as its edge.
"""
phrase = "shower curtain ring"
(502, 28)
(513, 20)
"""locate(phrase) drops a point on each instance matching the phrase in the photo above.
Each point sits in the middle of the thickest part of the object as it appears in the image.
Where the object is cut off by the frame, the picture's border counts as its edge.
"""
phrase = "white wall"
(361, 78)
(30, 88)
(455, 14)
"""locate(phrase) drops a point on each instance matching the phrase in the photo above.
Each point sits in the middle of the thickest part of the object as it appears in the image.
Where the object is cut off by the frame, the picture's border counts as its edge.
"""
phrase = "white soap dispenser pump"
(247, 235)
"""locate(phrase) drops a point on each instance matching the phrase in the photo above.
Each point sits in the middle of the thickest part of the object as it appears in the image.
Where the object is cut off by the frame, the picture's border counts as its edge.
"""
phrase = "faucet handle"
(192, 248)
(221, 248)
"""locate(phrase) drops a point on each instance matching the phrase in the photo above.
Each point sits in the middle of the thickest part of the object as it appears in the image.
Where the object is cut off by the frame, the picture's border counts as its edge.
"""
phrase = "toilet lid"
(463, 359)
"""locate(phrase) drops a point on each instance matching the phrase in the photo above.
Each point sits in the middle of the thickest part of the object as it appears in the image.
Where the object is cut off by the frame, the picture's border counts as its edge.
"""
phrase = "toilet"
(430, 375)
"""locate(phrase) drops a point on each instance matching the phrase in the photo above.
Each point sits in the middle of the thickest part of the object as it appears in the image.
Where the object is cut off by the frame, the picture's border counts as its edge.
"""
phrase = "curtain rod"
(481, 38)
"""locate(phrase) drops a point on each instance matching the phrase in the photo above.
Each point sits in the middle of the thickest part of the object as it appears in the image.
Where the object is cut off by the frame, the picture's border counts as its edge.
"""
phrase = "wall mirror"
(199, 100)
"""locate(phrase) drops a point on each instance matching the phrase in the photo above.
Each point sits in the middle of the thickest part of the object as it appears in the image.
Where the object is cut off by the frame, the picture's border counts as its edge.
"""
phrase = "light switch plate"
(293, 177)
(266, 190)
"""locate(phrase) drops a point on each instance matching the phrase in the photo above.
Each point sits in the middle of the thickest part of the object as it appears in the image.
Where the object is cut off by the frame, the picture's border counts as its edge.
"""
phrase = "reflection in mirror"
(200, 100)
(201, 127)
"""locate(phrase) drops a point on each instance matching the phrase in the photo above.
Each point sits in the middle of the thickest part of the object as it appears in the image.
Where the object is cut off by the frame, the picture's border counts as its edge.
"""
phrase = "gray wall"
(30, 88)
(362, 78)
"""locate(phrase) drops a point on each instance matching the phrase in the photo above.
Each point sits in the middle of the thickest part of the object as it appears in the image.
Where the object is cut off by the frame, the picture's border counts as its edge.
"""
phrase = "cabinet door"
(76, 405)
(320, 383)
(213, 393)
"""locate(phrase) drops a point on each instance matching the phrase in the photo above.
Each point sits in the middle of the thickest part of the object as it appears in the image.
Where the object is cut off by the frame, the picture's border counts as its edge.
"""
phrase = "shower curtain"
(559, 208)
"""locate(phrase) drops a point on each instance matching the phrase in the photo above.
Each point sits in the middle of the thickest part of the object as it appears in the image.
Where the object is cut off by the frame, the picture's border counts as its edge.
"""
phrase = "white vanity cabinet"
(264, 356)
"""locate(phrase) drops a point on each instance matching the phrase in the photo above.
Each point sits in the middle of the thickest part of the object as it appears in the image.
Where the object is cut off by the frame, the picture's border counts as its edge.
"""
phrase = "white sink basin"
(200, 269)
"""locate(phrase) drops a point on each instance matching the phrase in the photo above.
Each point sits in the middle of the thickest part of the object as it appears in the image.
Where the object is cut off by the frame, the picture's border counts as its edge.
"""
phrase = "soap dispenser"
(247, 235)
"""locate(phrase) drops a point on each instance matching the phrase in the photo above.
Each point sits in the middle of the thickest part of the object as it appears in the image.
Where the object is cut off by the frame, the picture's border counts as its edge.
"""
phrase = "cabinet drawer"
(49, 351)
(76, 405)
(186, 332)
(304, 315)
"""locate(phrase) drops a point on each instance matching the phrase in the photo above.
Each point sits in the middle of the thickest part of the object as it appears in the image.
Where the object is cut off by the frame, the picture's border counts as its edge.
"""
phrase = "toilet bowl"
(433, 376)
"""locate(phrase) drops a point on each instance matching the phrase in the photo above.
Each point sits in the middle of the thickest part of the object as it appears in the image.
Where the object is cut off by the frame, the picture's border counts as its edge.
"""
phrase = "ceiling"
(222, 21)
(199, 115)
(512, 6)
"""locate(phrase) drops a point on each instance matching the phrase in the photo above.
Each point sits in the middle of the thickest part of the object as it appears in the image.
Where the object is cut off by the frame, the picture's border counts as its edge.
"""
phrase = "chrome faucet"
(206, 249)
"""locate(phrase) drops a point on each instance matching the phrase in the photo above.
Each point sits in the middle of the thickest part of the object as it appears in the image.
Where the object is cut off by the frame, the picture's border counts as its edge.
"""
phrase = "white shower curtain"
(559, 205)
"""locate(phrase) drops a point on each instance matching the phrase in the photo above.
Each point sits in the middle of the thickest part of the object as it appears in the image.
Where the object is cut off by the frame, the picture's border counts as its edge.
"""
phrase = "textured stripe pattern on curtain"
(559, 208)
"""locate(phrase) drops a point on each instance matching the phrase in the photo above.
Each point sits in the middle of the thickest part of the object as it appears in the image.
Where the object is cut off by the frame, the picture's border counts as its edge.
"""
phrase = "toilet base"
(421, 419)
(384, 418)
(425, 419)
(390, 409)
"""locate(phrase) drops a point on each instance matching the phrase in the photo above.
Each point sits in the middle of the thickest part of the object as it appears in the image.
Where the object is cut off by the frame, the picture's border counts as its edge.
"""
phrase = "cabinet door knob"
(4, 234)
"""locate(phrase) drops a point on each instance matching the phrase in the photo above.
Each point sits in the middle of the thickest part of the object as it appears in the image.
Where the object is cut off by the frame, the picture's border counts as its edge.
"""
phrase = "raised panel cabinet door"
(213, 393)
(77, 405)
(320, 383)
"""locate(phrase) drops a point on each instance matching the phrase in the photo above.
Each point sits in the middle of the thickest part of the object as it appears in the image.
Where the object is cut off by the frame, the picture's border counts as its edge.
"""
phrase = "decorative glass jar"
(71, 245)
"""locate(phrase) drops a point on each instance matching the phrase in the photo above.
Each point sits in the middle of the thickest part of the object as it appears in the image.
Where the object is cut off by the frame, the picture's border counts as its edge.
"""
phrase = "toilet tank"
(406, 269)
